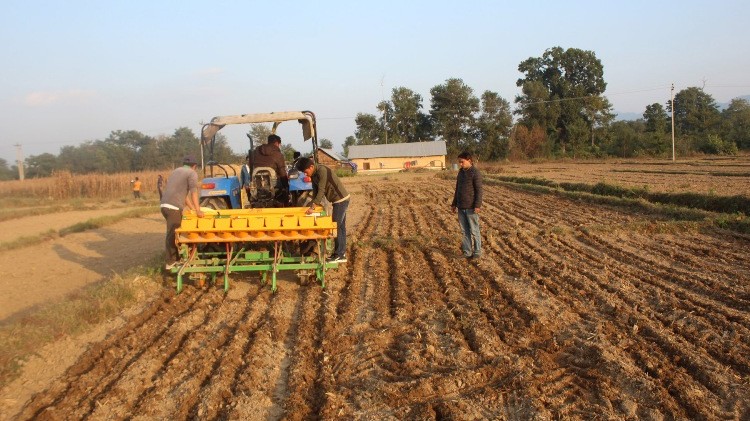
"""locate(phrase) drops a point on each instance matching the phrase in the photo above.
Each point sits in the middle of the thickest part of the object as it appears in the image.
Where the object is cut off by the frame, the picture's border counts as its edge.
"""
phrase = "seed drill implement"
(233, 237)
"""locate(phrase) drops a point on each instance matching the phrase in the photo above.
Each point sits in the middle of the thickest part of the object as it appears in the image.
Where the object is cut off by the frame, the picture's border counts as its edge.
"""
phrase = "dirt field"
(725, 176)
(576, 311)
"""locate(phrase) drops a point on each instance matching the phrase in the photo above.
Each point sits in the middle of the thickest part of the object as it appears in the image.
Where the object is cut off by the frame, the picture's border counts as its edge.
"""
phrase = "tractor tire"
(215, 203)
(303, 199)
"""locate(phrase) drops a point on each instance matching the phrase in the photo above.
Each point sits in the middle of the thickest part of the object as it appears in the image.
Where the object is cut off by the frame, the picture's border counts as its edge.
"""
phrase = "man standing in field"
(467, 200)
(327, 184)
(160, 186)
(181, 190)
(136, 188)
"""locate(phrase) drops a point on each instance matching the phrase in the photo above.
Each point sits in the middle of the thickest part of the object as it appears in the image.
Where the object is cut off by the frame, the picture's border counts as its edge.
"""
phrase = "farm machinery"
(232, 238)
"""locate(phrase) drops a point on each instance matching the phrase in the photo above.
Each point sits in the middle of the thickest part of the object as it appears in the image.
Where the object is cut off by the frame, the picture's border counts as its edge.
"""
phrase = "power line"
(595, 96)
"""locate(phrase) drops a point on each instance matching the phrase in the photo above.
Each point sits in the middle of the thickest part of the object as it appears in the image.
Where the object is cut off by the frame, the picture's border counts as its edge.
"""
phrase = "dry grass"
(64, 185)
(24, 335)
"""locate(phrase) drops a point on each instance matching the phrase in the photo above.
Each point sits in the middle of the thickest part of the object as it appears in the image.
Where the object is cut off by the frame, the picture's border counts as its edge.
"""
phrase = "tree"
(626, 138)
(42, 165)
(562, 92)
(406, 122)
(736, 123)
(140, 148)
(453, 109)
(384, 119)
(350, 140)
(527, 143)
(369, 131)
(493, 126)
(223, 153)
(695, 113)
(174, 148)
(656, 118)
(288, 151)
(325, 144)
(259, 133)
(6, 173)
(85, 158)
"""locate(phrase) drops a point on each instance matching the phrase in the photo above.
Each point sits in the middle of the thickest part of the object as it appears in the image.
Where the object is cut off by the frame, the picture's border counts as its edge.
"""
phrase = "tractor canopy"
(305, 118)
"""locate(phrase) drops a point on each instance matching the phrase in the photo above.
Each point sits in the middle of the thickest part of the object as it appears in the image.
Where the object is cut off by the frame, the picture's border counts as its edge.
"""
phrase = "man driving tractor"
(269, 155)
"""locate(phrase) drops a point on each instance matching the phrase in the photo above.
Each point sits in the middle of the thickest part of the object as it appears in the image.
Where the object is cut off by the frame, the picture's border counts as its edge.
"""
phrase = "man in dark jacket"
(269, 155)
(467, 201)
(326, 184)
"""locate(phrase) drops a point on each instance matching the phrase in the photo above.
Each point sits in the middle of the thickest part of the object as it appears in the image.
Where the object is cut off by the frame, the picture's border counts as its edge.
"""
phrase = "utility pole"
(673, 122)
(385, 110)
(19, 161)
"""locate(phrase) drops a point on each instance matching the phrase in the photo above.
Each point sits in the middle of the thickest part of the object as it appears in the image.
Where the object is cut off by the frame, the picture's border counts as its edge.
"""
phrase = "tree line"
(561, 112)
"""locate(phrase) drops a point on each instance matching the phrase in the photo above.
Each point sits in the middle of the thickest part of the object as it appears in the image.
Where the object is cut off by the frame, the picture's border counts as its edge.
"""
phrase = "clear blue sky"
(77, 70)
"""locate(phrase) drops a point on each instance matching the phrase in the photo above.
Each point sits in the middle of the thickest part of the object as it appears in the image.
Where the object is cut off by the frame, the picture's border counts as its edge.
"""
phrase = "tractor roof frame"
(305, 118)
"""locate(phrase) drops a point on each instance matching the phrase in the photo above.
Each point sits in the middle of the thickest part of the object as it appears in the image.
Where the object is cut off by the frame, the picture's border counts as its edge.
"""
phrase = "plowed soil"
(575, 311)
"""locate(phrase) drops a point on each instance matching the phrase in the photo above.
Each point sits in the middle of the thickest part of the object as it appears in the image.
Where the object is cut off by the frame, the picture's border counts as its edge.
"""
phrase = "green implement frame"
(216, 263)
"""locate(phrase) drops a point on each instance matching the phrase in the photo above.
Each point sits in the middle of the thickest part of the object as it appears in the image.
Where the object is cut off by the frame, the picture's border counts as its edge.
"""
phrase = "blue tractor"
(221, 188)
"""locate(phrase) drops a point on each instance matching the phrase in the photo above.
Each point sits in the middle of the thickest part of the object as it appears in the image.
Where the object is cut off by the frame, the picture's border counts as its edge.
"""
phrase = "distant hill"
(635, 116)
(723, 105)
(627, 116)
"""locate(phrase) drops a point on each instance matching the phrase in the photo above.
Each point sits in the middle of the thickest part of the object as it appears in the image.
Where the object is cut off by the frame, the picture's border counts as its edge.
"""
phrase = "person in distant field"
(269, 155)
(467, 200)
(245, 176)
(327, 185)
(136, 188)
(160, 186)
(181, 190)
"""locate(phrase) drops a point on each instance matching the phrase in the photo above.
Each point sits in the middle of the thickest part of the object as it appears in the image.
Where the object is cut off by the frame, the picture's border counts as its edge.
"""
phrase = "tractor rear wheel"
(216, 203)
(303, 199)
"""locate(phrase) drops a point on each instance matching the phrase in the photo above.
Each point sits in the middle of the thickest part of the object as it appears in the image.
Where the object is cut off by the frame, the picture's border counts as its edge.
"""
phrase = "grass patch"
(343, 172)
(79, 227)
(675, 172)
(23, 335)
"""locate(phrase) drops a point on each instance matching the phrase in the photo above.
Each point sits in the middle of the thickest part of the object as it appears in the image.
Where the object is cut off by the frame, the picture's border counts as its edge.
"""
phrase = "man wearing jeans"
(327, 184)
(467, 200)
(182, 188)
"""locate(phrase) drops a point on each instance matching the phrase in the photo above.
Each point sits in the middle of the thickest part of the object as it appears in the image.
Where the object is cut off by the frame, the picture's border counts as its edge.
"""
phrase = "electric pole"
(19, 160)
(385, 110)
(673, 122)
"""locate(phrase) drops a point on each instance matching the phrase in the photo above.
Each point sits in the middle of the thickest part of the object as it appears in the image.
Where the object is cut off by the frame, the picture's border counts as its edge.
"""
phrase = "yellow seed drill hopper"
(260, 240)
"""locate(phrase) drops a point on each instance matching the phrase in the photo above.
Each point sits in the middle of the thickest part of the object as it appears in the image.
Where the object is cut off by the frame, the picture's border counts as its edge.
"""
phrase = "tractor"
(259, 237)
(221, 188)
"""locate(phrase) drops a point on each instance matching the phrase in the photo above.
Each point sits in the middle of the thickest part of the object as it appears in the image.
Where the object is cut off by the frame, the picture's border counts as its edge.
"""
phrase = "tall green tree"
(736, 123)
(695, 112)
(6, 173)
(183, 142)
(325, 144)
(625, 138)
(259, 133)
(453, 109)
(369, 131)
(88, 157)
(493, 126)
(141, 148)
(407, 122)
(562, 91)
(350, 140)
(656, 118)
(42, 165)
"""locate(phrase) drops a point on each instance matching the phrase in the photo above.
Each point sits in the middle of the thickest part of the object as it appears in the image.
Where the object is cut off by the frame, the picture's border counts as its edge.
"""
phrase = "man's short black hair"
(272, 138)
(304, 163)
(465, 155)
